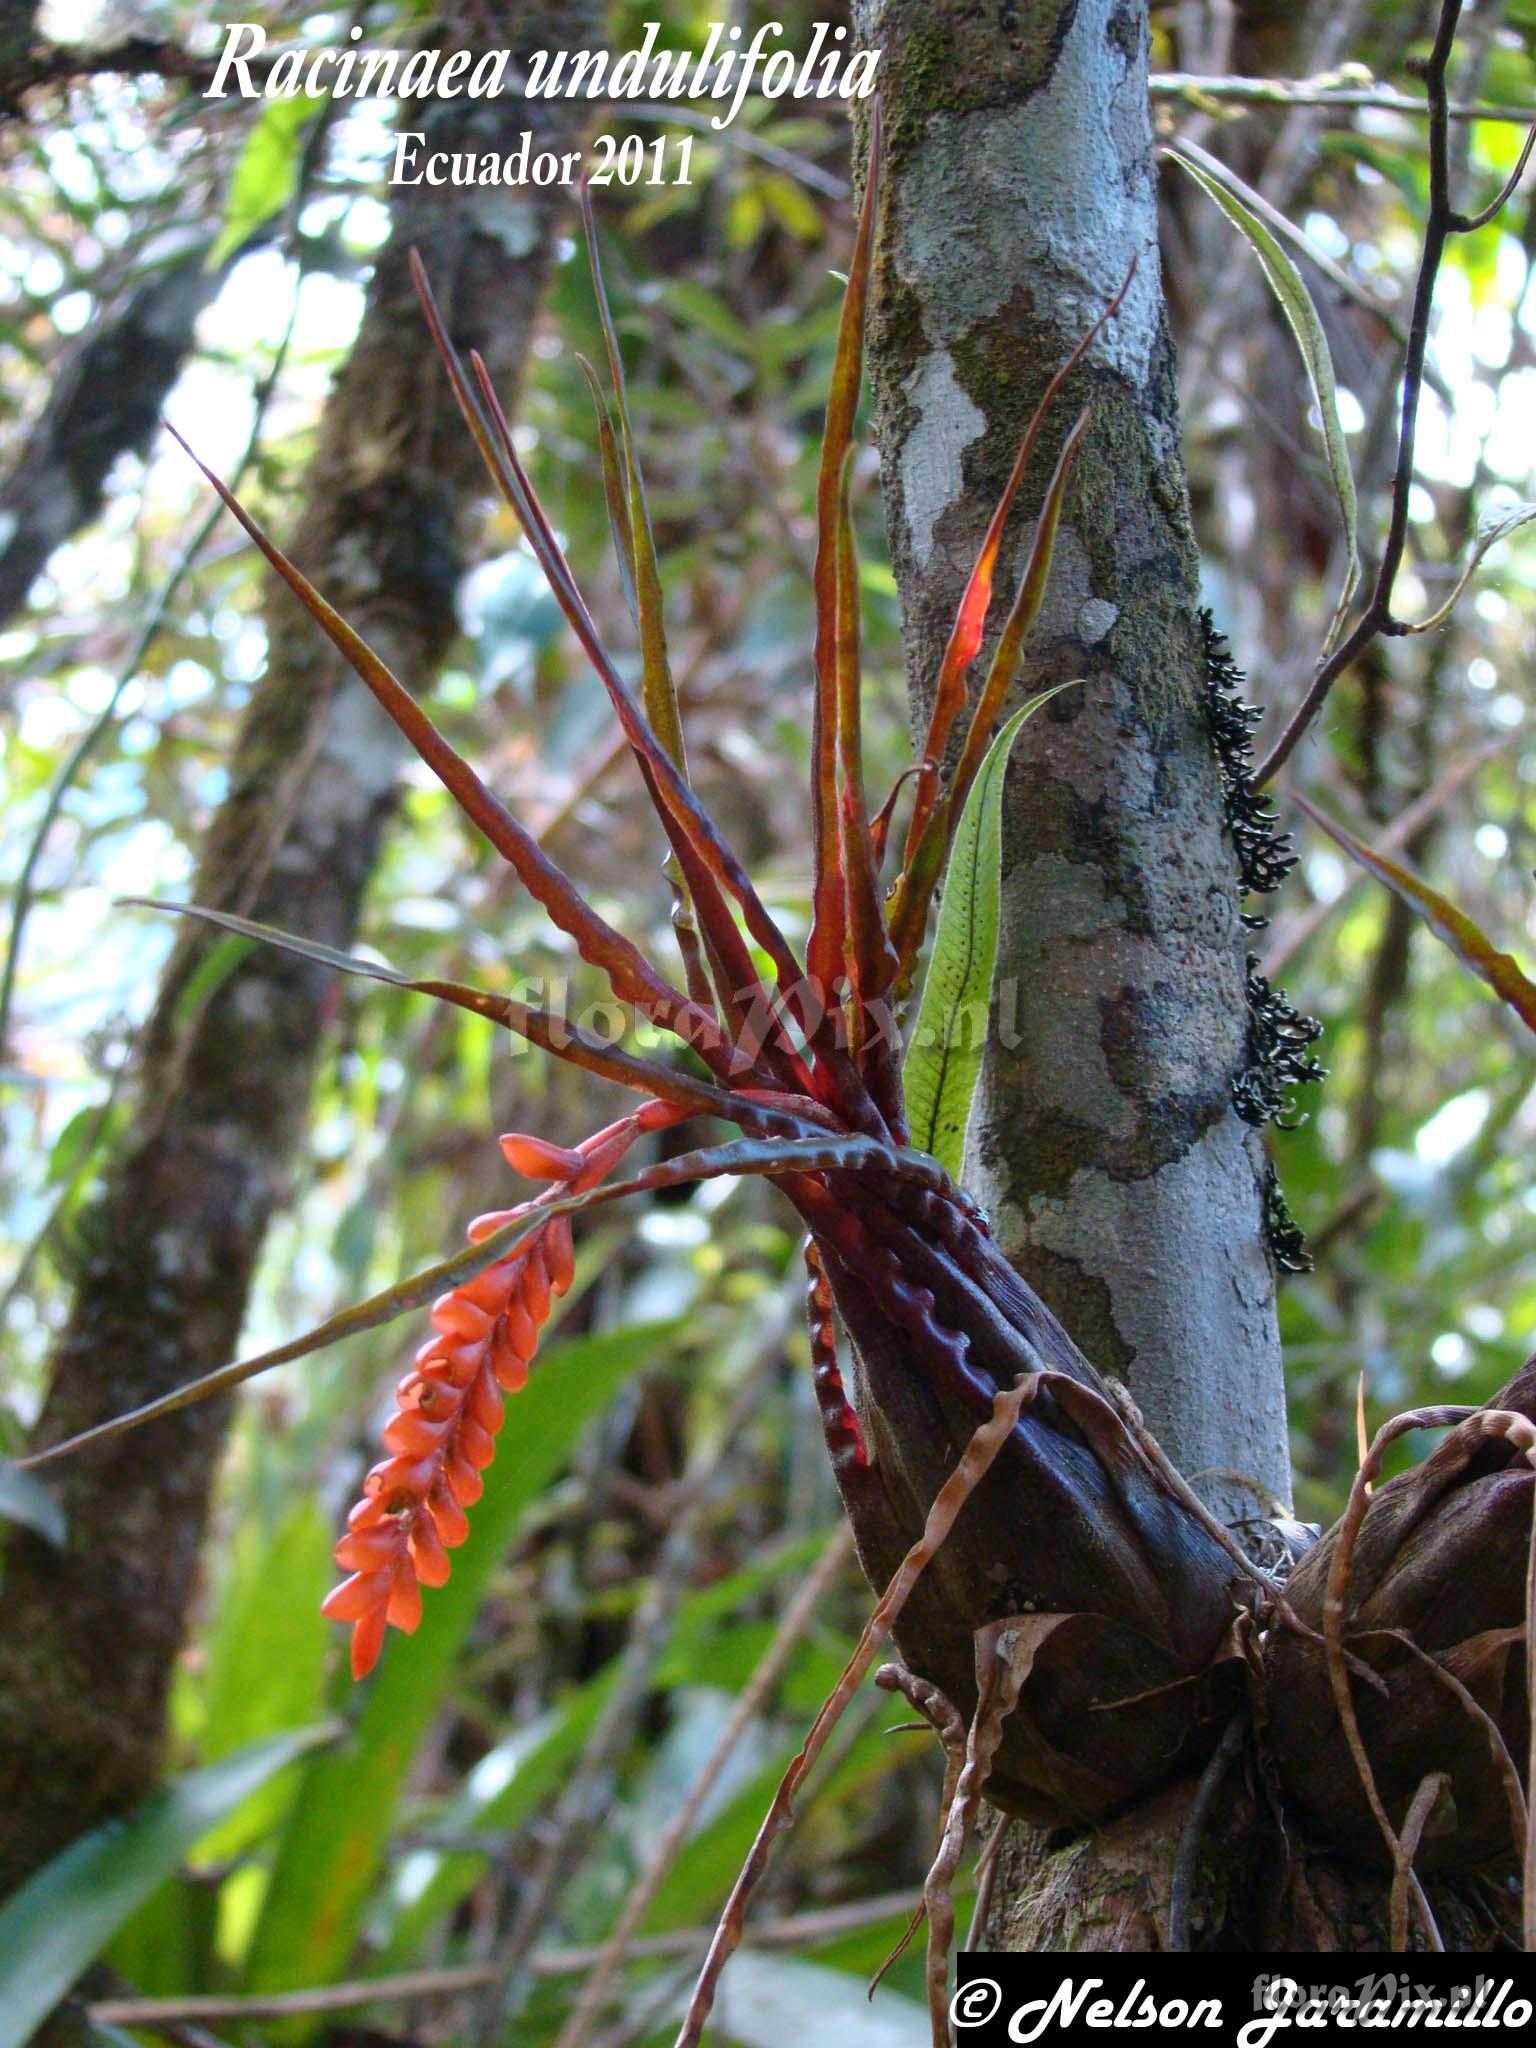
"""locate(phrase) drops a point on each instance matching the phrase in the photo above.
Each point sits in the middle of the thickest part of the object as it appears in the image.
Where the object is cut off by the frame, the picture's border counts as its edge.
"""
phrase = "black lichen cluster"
(1279, 1037)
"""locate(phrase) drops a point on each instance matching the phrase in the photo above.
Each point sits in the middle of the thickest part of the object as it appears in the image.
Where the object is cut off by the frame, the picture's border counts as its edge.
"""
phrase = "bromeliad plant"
(1130, 1589)
(1056, 1589)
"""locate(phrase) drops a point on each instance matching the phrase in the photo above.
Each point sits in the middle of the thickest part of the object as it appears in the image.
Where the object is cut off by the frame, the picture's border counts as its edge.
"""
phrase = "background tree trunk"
(92, 1633)
(1019, 189)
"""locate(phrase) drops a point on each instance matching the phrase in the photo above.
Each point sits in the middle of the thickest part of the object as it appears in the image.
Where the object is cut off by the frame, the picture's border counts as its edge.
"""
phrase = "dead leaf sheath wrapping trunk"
(1131, 1685)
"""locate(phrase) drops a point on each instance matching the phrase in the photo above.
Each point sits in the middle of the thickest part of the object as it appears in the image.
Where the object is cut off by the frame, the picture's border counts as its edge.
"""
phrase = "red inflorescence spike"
(442, 1436)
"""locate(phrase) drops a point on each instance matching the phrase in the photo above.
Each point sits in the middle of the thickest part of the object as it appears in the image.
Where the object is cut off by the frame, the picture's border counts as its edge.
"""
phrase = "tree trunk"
(1019, 190)
(92, 1634)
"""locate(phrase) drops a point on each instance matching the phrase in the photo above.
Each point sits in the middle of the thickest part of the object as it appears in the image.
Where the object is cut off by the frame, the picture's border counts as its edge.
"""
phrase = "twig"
(986, 1879)
(1425, 1800)
(944, 1718)
(1317, 92)
(738, 137)
(1466, 224)
(797, 1618)
(1187, 1861)
(975, 1462)
(795, 1930)
(1377, 619)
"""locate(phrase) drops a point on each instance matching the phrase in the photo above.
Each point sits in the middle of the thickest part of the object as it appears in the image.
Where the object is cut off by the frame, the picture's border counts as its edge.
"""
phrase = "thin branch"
(1317, 92)
(1443, 222)
(794, 1930)
(1466, 224)
(1429, 1795)
(1187, 1861)
(134, 57)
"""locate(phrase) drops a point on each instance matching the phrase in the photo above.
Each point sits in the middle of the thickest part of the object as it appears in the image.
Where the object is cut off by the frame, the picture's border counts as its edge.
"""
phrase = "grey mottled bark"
(1020, 185)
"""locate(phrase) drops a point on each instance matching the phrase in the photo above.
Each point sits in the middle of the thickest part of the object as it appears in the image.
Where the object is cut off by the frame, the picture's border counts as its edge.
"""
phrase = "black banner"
(1236, 2001)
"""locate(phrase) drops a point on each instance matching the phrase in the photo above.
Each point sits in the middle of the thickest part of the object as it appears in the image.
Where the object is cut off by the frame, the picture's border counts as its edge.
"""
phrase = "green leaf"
(267, 174)
(210, 975)
(332, 1849)
(943, 1061)
(265, 1655)
(1242, 208)
(24, 1498)
(60, 1919)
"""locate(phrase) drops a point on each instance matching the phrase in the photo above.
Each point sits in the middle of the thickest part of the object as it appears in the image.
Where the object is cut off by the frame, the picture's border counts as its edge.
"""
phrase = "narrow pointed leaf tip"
(1467, 940)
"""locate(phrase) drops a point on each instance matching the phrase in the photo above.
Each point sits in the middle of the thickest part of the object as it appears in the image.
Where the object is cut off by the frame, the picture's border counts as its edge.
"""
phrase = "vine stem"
(1378, 619)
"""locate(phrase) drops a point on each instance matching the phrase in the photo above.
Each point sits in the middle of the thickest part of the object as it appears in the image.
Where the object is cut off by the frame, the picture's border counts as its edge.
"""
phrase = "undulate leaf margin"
(943, 1063)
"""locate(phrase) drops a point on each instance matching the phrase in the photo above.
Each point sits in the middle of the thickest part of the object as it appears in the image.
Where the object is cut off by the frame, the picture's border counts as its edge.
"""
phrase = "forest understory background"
(208, 1147)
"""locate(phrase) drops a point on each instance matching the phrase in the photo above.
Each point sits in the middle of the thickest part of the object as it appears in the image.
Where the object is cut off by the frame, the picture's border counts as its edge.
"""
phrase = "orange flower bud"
(534, 1159)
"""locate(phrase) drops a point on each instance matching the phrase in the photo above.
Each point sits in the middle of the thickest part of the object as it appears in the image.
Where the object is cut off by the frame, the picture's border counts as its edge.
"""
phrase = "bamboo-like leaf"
(943, 1062)
(816, 1153)
(1285, 281)
(70, 1910)
(1453, 927)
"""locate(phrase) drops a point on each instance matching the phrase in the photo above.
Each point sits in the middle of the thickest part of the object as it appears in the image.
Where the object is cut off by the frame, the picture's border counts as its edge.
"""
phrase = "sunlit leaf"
(943, 1062)
(24, 1498)
(1285, 281)
(1466, 940)
(267, 173)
